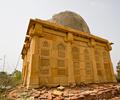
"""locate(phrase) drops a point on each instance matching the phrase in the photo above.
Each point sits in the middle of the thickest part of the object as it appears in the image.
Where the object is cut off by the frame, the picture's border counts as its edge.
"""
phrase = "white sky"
(102, 17)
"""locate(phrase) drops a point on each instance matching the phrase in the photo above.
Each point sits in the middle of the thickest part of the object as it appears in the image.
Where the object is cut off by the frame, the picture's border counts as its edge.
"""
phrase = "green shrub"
(117, 78)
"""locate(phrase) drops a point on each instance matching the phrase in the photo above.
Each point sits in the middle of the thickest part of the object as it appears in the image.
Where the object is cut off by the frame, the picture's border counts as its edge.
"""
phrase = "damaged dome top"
(72, 20)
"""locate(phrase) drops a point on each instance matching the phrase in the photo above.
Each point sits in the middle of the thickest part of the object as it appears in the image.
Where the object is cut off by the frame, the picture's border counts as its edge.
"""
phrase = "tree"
(16, 76)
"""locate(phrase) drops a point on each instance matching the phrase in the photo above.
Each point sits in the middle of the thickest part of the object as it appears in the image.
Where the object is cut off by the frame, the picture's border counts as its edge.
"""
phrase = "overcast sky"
(102, 17)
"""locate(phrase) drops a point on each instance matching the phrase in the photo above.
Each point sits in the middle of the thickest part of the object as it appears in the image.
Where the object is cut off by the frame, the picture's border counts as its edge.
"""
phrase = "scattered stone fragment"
(30, 98)
(36, 94)
(43, 97)
(65, 94)
(70, 95)
(49, 96)
(57, 93)
(89, 92)
(59, 98)
(61, 88)
(72, 85)
(81, 97)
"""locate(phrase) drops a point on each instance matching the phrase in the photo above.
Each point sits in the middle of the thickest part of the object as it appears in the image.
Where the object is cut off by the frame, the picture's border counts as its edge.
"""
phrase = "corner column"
(113, 79)
(34, 57)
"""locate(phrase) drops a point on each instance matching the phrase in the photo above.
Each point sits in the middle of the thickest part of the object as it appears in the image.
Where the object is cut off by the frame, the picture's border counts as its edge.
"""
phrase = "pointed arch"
(61, 50)
(75, 53)
(45, 44)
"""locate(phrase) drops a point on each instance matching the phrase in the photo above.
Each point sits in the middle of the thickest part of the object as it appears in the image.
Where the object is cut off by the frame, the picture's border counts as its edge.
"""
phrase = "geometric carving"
(44, 62)
(75, 53)
(97, 55)
(88, 65)
(98, 65)
(45, 52)
(61, 72)
(60, 63)
(61, 50)
(99, 72)
(44, 71)
(106, 65)
(45, 44)
(86, 57)
(61, 54)
(75, 57)
(77, 72)
(44, 57)
(61, 59)
(86, 53)
(76, 64)
(105, 56)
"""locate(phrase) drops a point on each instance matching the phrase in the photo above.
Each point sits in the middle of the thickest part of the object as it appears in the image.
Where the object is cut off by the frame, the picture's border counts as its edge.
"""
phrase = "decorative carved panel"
(61, 54)
(61, 50)
(61, 59)
(98, 65)
(77, 72)
(44, 62)
(75, 53)
(86, 53)
(105, 58)
(60, 63)
(76, 61)
(45, 44)
(106, 65)
(44, 71)
(98, 59)
(45, 52)
(88, 65)
(45, 49)
(99, 72)
(76, 64)
(61, 72)
(97, 55)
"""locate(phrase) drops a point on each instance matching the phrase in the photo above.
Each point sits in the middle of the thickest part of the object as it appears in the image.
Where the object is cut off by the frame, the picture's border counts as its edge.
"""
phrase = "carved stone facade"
(57, 55)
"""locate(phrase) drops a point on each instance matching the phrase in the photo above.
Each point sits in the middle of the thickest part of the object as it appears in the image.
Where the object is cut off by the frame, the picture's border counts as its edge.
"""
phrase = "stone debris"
(49, 96)
(89, 92)
(57, 93)
(61, 88)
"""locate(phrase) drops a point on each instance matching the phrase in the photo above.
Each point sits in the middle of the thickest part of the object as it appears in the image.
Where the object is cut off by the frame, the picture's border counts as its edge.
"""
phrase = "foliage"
(5, 79)
(8, 81)
(16, 77)
(117, 78)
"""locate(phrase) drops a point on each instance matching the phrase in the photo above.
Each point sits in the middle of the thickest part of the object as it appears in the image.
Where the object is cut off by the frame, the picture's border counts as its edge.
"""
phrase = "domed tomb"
(72, 20)
(64, 59)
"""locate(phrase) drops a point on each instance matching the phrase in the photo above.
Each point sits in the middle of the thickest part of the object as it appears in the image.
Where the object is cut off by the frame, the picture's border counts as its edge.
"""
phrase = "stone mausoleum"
(62, 51)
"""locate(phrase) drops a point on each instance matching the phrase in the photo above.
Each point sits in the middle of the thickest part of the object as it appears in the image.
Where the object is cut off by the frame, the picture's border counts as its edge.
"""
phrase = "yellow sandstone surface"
(55, 54)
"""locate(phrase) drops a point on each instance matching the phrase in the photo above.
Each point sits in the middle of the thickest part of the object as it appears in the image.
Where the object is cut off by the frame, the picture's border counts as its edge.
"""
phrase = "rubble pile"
(89, 92)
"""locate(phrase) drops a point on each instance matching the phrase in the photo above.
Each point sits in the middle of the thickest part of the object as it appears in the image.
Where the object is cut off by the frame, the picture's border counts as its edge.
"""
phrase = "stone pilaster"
(95, 75)
(71, 77)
